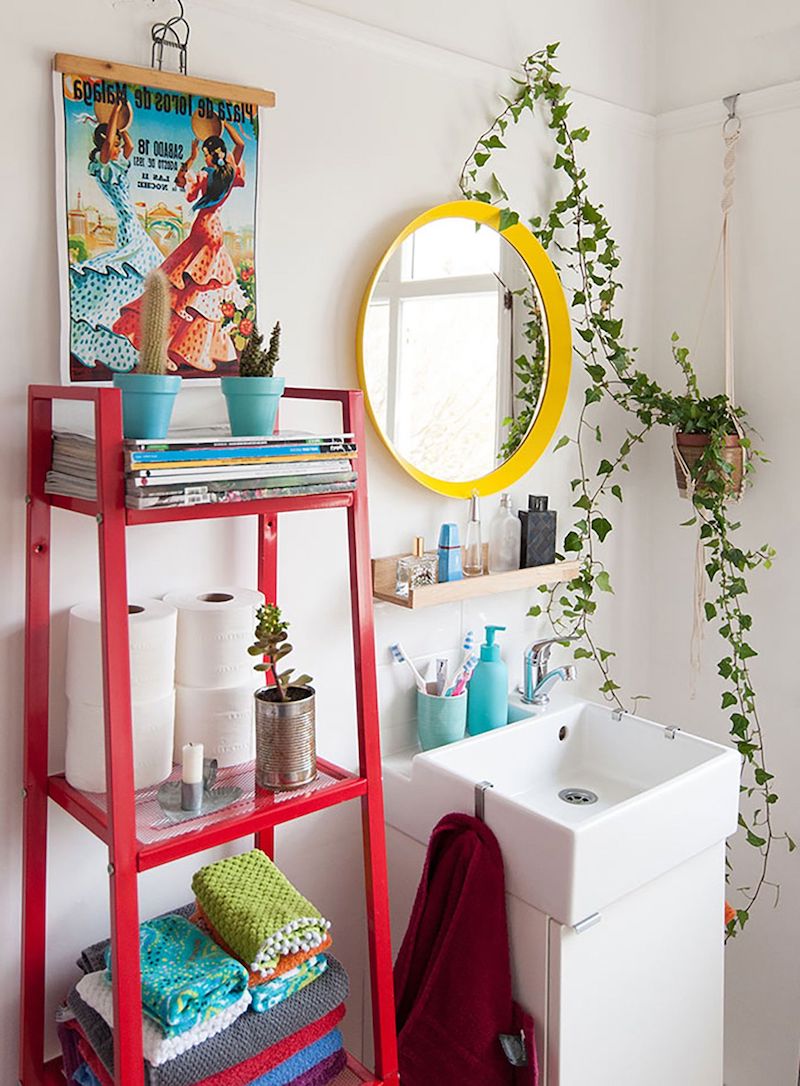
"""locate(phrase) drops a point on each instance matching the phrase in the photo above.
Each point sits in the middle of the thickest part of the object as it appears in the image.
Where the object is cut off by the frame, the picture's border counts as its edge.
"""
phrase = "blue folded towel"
(302, 1061)
(186, 978)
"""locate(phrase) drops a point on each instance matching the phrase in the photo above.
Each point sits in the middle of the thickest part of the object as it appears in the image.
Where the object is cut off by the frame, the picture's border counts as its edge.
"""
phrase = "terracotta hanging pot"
(688, 450)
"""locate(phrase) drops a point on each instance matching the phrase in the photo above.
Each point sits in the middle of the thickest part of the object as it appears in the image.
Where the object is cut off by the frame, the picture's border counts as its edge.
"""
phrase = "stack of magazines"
(196, 466)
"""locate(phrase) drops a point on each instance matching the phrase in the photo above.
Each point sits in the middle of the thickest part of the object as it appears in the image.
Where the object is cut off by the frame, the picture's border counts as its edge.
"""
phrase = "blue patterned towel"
(269, 995)
(186, 978)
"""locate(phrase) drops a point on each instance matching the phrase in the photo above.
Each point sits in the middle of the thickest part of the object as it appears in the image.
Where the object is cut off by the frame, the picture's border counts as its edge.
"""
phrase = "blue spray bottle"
(487, 703)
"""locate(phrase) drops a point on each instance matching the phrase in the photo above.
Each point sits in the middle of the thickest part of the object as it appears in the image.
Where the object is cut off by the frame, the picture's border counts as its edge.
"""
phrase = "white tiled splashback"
(439, 632)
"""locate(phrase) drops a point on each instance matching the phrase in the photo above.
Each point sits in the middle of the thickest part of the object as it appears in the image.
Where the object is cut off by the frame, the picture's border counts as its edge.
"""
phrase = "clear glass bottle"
(416, 569)
(473, 546)
(504, 538)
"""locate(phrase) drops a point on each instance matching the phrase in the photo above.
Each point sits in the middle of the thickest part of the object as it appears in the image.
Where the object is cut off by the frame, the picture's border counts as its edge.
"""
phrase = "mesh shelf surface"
(153, 826)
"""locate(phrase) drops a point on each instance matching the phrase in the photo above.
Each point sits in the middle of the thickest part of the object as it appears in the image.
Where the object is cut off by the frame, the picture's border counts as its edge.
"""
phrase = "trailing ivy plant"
(578, 234)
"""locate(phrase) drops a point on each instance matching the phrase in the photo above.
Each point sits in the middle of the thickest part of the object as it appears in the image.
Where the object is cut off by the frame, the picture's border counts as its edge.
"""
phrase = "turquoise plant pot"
(252, 404)
(147, 402)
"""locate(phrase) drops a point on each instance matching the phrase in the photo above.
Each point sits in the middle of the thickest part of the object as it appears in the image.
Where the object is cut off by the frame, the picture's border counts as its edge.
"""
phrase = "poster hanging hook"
(174, 34)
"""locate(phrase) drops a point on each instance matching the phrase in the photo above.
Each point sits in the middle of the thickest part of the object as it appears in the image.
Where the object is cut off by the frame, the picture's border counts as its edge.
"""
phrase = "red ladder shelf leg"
(34, 778)
(375, 869)
(268, 584)
(128, 1064)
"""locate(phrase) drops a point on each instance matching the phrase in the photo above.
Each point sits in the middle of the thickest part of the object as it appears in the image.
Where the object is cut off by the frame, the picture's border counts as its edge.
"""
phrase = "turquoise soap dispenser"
(487, 702)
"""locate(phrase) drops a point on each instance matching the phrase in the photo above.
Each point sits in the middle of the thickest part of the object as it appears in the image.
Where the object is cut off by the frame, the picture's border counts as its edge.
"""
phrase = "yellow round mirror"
(464, 349)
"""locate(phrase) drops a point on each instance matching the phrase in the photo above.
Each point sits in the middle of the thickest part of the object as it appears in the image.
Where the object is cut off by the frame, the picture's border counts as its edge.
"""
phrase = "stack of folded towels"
(237, 989)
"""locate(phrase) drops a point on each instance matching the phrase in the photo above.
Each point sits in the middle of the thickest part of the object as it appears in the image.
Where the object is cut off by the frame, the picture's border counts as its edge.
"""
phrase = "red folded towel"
(452, 975)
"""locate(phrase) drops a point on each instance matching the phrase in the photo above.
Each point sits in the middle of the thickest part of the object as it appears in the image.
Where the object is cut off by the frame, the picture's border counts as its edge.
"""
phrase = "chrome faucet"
(537, 679)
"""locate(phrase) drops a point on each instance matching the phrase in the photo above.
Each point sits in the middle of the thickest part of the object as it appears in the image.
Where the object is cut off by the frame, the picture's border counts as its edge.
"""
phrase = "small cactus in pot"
(285, 711)
(253, 397)
(148, 392)
(254, 361)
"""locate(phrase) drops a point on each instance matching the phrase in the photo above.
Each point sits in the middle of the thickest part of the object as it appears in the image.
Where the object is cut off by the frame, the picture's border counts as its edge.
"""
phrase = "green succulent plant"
(273, 645)
(254, 361)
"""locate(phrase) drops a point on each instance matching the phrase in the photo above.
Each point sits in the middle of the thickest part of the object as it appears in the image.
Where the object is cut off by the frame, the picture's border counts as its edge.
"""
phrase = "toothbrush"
(463, 675)
(461, 684)
(401, 658)
(469, 641)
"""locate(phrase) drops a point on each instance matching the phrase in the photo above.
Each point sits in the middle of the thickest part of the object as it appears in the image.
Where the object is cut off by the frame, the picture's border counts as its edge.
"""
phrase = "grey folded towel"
(249, 1035)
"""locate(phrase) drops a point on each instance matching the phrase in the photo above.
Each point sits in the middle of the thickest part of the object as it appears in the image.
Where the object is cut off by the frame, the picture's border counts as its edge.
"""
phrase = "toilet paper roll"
(215, 629)
(151, 629)
(153, 729)
(222, 720)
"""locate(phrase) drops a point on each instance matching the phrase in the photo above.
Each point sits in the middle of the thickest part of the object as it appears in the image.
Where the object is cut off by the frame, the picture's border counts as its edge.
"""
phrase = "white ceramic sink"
(662, 796)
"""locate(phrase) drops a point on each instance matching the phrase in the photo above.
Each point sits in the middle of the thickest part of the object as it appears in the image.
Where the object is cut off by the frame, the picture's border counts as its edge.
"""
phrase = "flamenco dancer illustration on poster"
(102, 284)
(200, 271)
(157, 179)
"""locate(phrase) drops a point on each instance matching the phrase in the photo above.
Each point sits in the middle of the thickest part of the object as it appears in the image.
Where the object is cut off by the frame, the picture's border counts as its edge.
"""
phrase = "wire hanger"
(174, 34)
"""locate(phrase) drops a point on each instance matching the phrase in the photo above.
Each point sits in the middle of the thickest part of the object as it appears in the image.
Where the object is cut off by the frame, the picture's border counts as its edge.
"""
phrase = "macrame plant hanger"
(731, 130)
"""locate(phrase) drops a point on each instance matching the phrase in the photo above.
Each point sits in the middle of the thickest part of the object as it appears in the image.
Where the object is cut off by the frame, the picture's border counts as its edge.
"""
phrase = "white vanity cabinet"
(615, 909)
(634, 1000)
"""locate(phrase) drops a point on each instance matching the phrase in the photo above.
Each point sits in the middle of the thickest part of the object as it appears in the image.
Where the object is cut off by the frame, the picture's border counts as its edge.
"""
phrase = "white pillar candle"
(192, 772)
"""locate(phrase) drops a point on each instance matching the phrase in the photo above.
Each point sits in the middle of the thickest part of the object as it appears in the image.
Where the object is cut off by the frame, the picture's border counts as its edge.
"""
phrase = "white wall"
(710, 50)
(371, 127)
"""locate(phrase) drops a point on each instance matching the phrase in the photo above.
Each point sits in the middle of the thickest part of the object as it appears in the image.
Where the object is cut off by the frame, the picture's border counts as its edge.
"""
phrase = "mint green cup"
(440, 720)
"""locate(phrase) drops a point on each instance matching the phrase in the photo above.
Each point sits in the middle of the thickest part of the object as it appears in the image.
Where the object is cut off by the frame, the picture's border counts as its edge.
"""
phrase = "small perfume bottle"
(473, 547)
(504, 539)
(538, 533)
(449, 553)
(416, 569)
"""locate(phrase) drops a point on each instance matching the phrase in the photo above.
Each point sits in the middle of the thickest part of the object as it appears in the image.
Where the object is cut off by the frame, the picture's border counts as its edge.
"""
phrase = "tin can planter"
(689, 449)
(286, 753)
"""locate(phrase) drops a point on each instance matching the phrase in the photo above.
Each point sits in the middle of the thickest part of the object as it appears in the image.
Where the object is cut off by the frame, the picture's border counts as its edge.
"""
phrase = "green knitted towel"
(257, 911)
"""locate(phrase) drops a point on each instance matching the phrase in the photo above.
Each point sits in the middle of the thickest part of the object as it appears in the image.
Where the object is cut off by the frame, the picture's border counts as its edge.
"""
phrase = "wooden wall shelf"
(384, 573)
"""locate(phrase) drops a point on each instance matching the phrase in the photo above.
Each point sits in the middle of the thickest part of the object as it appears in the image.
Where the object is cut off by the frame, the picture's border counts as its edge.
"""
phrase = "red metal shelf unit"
(125, 820)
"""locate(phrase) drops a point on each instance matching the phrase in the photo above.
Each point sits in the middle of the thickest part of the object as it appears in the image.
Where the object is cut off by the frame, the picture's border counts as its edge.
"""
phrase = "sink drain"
(579, 796)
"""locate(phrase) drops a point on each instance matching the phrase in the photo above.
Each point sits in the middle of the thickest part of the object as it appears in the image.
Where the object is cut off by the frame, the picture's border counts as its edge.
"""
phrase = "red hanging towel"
(452, 976)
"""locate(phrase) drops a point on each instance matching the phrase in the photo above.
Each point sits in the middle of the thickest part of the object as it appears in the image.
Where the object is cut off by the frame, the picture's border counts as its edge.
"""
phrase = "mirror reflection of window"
(444, 328)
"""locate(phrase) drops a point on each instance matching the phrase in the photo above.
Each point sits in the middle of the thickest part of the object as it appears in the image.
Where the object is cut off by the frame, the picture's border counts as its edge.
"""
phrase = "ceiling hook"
(733, 122)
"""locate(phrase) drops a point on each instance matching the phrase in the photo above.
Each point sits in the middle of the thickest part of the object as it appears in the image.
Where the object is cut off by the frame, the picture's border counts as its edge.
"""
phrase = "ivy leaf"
(481, 158)
(710, 610)
(582, 654)
(572, 542)
(739, 724)
(728, 699)
(601, 527)
(603, 581)
(605, 468)
(534, 611)
(616, 490)
(754, 840)
(562, 441)
(508, 218)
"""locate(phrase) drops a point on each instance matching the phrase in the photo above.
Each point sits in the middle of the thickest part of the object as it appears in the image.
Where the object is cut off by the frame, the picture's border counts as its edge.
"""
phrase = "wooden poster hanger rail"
(153, 77)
